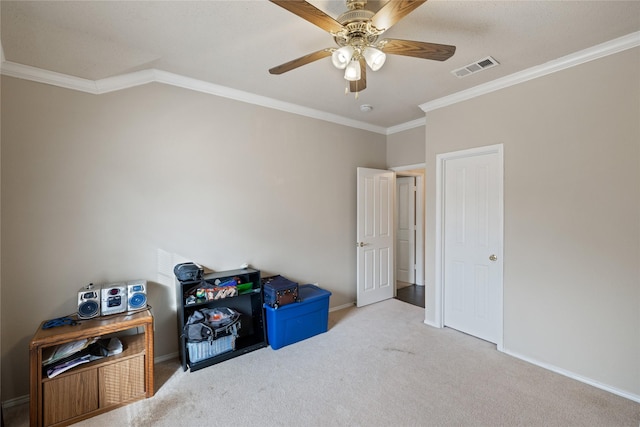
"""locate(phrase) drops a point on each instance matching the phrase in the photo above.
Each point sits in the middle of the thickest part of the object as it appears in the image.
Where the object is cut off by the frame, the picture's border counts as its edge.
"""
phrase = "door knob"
(361, 244)
(493, 257)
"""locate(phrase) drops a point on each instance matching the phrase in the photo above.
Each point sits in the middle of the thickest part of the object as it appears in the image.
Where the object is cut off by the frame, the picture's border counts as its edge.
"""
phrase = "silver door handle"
(361, 244)
(493, 257)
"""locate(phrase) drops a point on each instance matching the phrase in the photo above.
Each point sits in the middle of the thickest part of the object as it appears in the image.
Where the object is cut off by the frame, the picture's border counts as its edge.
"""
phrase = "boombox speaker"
(114, 299)
(137, 295)
(88, 302)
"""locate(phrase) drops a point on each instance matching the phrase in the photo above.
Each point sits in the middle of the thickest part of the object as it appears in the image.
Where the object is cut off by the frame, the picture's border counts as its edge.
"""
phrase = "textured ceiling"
(234, 43)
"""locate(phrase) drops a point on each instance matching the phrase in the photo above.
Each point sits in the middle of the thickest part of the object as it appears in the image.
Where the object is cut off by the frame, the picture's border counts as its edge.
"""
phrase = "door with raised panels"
(375, 231)
(473, 245)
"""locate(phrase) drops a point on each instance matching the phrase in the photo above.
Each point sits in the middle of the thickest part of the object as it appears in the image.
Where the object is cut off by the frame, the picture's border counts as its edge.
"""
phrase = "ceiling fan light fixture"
(375, 58)
(356, 33)
(352, 72)
(342, 57)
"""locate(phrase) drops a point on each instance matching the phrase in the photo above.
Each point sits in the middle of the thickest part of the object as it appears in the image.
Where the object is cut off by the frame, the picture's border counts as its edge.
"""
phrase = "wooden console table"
(98, 386)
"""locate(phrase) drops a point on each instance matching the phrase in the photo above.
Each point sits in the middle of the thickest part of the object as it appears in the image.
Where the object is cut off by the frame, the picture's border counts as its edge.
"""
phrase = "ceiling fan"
(356, 33)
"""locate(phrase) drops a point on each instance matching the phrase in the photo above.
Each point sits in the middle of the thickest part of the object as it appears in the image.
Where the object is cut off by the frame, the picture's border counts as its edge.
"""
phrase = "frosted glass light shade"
(375, 58)
(341, 57)
(352, 72)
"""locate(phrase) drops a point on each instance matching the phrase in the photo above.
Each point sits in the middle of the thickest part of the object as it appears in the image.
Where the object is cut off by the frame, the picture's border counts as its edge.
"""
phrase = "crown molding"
(138, 78)
(53, 78)
(263, 101)
(125, 81)
(406, 126)
(408, 167)
(595, 52)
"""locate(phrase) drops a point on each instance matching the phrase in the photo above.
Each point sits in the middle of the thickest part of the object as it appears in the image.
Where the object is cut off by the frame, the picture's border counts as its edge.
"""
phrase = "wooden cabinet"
(248, 302)
(95, 387)
(60, 404)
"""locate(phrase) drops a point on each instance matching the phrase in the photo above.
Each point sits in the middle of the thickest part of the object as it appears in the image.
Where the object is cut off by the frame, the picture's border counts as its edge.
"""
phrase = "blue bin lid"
(306, 294)
(311, 292)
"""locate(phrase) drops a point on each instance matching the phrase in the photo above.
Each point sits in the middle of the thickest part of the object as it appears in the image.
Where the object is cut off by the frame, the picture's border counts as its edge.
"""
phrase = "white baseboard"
(432, 323)
(340, 307)
(166, 357)
(20, 400)
(15, 402)
(573, 375)
(634, 397)
(25, 399)
(557, 370)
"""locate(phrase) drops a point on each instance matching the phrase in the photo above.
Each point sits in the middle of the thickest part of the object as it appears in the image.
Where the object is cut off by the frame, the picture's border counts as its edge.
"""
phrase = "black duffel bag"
(199, 327)
(196, 330)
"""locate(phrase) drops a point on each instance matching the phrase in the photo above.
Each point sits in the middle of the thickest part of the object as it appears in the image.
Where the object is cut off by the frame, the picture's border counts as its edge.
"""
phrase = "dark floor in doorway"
(412, 294)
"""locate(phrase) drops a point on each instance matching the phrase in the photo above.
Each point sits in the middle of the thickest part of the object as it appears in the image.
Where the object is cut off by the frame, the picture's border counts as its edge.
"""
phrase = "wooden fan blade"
(310, 13)
(393, 11)
(437, 52)
(360, 85)
(299, 62)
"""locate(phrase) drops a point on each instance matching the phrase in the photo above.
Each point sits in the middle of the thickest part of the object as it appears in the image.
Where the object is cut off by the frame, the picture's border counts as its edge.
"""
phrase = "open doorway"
(377, 213)
(409, 234)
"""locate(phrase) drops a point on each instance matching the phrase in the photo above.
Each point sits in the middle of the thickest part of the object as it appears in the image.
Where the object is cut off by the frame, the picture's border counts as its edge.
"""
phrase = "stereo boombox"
(114, 298)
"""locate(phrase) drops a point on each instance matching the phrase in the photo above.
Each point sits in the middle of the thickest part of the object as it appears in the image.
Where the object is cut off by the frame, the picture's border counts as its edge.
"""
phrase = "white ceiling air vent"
(480, 65)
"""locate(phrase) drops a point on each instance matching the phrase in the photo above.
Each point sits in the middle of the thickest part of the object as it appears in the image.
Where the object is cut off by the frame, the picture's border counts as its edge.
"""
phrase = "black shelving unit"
(252, 333)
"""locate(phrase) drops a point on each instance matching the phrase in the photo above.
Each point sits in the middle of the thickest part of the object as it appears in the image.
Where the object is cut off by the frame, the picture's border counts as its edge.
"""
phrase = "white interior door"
(406, 229)
(472, 244)
(375, 231)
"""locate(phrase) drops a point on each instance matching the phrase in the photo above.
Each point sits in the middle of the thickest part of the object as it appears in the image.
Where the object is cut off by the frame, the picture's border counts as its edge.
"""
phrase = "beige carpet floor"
(378, 365)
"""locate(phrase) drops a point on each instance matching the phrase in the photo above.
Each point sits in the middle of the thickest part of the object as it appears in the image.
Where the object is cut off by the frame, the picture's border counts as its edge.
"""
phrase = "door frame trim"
(416, 239)
(439, 231)
(420, 216)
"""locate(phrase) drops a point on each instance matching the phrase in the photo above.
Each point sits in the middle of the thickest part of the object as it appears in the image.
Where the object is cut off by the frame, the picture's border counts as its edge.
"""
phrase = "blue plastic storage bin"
(301, 320)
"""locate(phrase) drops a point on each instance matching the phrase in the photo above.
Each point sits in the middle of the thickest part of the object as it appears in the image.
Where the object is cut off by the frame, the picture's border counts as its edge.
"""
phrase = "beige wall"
(1, 330)
(572, 213)
(123, 185)
(406, 148)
